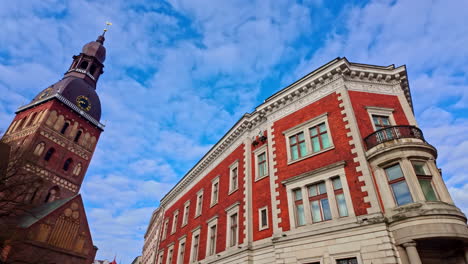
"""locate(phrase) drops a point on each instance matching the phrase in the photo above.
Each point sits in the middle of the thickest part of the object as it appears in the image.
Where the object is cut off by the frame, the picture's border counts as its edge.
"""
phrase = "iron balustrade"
(391, 133)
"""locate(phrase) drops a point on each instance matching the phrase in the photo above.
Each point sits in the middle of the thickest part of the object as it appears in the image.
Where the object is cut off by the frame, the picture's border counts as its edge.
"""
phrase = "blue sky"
(180, 73)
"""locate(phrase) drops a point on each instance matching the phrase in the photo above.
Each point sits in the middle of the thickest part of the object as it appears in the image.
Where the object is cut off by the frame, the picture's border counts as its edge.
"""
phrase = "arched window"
(78, 135)
(32, 119)
(49, 154)
(20, 124)
(67, 164)
(64, 128)
(84, 65)
(77, 169)
(92, 69)
(39, 149)
(52, 195)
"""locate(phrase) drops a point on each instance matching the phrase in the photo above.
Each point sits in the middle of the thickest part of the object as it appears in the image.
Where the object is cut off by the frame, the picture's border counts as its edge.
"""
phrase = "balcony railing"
(391, 133)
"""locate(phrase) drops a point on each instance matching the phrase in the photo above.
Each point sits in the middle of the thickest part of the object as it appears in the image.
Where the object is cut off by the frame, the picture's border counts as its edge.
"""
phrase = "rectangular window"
(181, 253)
(186, 214)
(382, 122)
(397, 183)
(212, 241)
(319, 137)
(199, 204)
(174, 222)
(166, 226)
(298, 146)
(169, 256)
(263, 218)
(299, 208)
(347, 261)
(319, 206)
(233, 230)
(234, 179)
(339, 195)
(214, 192)
(262, 165)
(425, 180)
(196, 241)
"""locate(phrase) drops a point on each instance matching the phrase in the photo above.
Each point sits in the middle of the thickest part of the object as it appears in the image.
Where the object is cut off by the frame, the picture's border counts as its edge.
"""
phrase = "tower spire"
(101, 38)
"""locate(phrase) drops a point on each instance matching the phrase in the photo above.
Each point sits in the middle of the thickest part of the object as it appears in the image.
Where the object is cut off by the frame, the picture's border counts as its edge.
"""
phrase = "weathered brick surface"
(224, 201)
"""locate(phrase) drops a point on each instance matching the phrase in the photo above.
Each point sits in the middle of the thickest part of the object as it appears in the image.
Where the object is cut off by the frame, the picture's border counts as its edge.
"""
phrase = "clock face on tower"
(83, 102)
(45, 93)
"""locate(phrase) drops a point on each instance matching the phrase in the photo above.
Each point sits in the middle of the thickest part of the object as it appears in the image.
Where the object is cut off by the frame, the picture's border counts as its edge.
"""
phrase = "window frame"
(195, 252)
(262, 150)
(214, 182)
(260, 226)
(199, 204)
(186, 213)
(305, 128)
(429, 177)
(210, 223)
(319, 197)
(175, 218)
(394, 181)
(182, 241)
(302, 181)
(170, 253)
(380, 111)
(165, 228)
(233, 186)
(230, 211)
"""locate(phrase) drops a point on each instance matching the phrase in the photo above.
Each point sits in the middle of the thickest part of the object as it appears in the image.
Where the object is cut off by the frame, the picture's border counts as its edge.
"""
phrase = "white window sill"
(233, 191)
(263, 177)
(213, 204)
(311, 155)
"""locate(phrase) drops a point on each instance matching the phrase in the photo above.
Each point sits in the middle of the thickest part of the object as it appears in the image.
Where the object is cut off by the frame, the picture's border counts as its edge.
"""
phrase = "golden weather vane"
(107, 26)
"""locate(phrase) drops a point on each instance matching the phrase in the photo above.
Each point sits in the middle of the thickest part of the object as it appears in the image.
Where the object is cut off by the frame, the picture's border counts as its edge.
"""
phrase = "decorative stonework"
(53, 138)
(47, 175)
(312, 87)
(20, 134)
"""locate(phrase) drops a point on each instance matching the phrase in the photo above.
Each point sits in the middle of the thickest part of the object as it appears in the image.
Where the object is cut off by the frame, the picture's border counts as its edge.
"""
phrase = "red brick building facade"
(51, 142)
(331, 169)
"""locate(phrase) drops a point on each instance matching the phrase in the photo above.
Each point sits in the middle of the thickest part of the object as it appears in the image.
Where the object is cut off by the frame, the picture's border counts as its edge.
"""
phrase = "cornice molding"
(306, 90)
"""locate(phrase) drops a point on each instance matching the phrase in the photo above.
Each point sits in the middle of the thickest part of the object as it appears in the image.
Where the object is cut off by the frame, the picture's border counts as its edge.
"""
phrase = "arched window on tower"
(64, 128)
(78, 135)
(39, 149)
(20, 124)
(92, 69)
(77, 169)
(67, 164)
(84, 65)
(49, 154)
(53, 194)
(33, 117)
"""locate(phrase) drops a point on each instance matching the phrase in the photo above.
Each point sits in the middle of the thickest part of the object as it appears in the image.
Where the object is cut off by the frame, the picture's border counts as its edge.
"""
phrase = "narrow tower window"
(64, 128)
(92, 69)
(49, 154)
(52, 195)
(67, 163)
(84, 65)
(33, 117)
(78, 135)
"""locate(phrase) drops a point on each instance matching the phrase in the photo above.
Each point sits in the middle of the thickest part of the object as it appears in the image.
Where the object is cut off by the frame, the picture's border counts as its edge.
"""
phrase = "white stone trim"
(233, 209)
(233, 166)
(198, 210)
(182, 240)
(170, 253)
(339, 256)
(355, 140)
(195, 232)
(186, 213)
(210, 223)
(274, 194)
(175, 218)
(257, 152)
(323, 176)
(260, 227)
(214, 202)
(380, 111)
(304, 128)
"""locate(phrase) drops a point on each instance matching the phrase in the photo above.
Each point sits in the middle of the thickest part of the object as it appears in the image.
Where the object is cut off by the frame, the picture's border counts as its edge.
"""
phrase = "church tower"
(52, 139)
